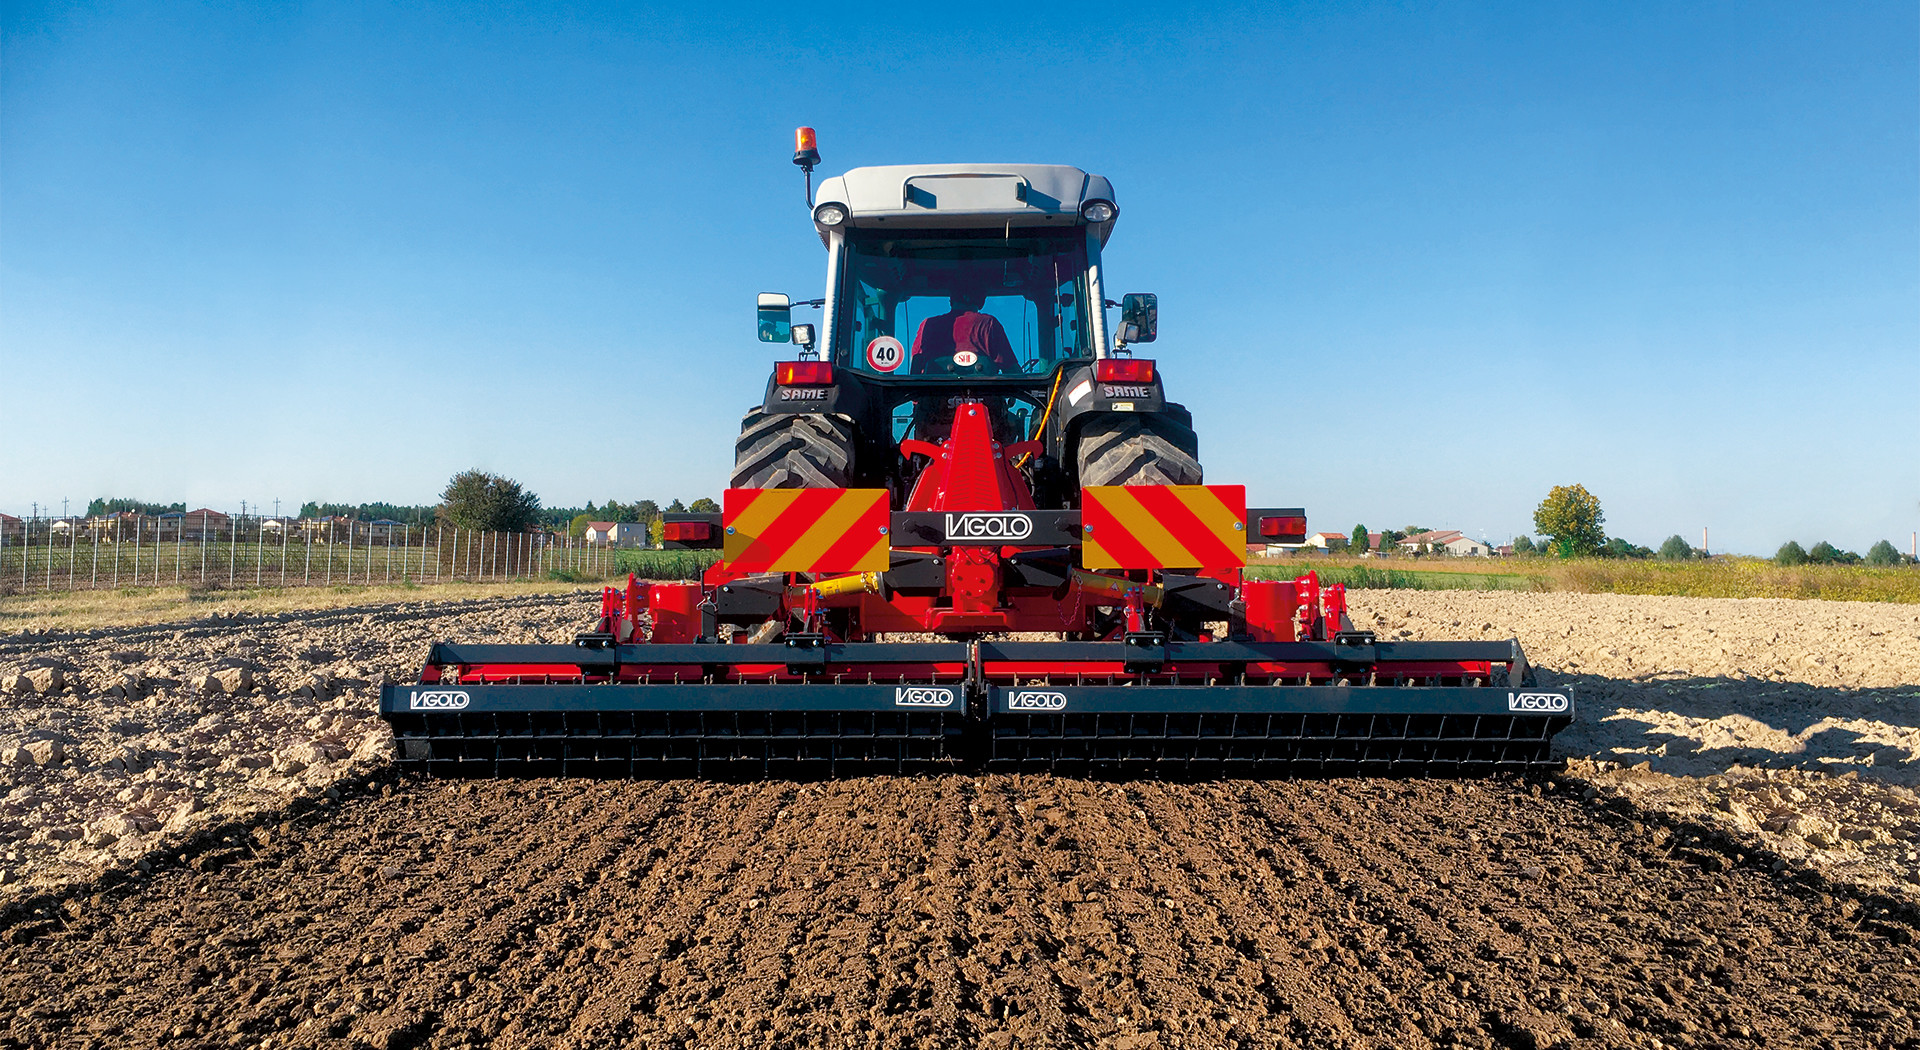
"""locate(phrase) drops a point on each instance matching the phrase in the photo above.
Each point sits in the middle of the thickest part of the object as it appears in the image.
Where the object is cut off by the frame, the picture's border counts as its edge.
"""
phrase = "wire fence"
(175, 550)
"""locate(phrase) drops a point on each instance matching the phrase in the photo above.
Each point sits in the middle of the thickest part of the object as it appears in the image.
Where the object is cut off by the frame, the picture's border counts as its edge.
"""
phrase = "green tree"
(1570, 517)
(1790, 553)
(1524, 545)
(1883, 553)
(676, 507)
(475, 499)
(577, 528)
(1675, 549)
(647, 511)
(1824, 553)
(108, 505)
(1358, 541)
(703, 505)
(1619, 548)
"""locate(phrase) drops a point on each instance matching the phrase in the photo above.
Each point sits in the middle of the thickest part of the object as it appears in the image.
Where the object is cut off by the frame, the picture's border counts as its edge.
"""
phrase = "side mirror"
(776, 318)
(1139, 317)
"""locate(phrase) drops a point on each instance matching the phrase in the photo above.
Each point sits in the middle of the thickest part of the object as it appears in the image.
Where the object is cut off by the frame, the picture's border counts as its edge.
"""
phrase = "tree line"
(473, 499)
(1570, 517)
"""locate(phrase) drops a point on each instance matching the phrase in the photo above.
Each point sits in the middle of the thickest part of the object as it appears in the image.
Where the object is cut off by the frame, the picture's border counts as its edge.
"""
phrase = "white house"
(616, 534)
(1327, 541)
(1446, 541)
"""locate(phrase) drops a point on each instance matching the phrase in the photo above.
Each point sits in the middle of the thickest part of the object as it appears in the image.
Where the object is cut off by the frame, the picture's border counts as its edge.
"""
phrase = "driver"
(963, 330)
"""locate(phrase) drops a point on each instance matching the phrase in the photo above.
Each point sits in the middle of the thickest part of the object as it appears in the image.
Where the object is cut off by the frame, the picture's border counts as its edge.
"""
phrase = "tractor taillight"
(803, 373)
(1283, 527)
(686, 531)
(1124, 370)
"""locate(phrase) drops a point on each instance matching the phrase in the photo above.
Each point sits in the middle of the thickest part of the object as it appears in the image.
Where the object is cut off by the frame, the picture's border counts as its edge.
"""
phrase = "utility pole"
(63, 506)
(1703, 541)
(276, 508)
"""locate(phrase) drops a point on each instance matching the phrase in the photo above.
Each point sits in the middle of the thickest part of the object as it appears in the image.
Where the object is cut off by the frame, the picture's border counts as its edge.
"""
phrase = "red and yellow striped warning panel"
(1163, 526)
(806, 530)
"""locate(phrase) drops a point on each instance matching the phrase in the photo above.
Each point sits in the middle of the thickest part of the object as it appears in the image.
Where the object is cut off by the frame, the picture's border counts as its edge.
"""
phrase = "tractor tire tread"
(1150, 449)
(799, 450)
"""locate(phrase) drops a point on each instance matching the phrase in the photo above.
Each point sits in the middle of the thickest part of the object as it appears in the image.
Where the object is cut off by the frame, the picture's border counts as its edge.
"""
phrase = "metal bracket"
(1145, 651)
(806, 651)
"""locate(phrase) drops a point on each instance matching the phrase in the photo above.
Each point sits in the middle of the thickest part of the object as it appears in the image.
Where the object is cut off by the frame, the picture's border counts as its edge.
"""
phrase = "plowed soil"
(1704, 881)
(966, 911)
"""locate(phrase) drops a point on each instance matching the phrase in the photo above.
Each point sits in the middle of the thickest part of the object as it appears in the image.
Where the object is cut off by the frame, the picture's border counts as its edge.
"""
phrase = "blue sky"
(1416, 262)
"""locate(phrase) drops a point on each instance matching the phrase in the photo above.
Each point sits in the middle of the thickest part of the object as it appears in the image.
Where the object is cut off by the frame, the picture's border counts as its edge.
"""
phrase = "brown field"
(1730, 860)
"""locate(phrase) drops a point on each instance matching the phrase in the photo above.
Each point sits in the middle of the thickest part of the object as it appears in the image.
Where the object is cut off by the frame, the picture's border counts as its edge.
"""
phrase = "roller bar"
(1080, 708)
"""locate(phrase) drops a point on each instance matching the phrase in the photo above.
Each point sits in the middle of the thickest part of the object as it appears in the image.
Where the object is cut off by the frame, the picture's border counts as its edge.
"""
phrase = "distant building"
(333, 529)
(1446, 541)
(616, 534)
(12, 528)
(1328, 541)
(204, 524)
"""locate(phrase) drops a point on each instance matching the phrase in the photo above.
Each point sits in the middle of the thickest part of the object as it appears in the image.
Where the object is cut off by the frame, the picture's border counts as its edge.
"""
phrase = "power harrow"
(991, 553)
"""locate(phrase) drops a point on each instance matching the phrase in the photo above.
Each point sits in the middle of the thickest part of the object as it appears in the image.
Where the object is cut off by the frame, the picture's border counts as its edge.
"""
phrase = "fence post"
(203, 546)
(116, 552)
(350, 524)
(283, 552)
(306, 577)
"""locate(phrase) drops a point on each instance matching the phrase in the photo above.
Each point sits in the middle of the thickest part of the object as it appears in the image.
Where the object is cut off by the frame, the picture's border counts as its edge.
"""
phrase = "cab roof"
(965, 196)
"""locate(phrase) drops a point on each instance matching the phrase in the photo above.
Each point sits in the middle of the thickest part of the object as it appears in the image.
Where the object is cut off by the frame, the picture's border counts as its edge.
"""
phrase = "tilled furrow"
(962, 911)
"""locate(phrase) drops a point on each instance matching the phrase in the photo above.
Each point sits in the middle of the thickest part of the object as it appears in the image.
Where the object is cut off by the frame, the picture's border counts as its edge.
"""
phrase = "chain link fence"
(176, 550)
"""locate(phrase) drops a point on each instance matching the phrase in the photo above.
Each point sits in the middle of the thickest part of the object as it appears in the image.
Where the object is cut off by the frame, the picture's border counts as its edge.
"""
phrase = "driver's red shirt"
(970, 330)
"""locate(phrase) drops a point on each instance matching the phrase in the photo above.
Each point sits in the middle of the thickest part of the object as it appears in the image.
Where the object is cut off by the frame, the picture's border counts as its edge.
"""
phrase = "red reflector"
(1283, 526)
(803, 373)
(1124, 370)
(685, 531)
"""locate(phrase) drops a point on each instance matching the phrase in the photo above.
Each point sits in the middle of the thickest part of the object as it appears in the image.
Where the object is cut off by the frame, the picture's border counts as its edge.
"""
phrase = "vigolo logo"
(438, 700)
(989, 526)
(1034, 700)
(922, 696)
(1537, 703)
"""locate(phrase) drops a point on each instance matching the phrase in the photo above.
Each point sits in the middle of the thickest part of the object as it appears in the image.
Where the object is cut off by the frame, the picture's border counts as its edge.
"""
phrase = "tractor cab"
(949, 285)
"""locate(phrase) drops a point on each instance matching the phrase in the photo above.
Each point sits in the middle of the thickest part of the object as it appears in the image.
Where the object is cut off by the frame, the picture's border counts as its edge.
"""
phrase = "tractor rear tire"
(793, 450)
(1158, 448)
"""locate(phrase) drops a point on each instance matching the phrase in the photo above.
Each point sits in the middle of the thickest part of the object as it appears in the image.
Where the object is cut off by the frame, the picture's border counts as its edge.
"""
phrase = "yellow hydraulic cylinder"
(859, 583)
